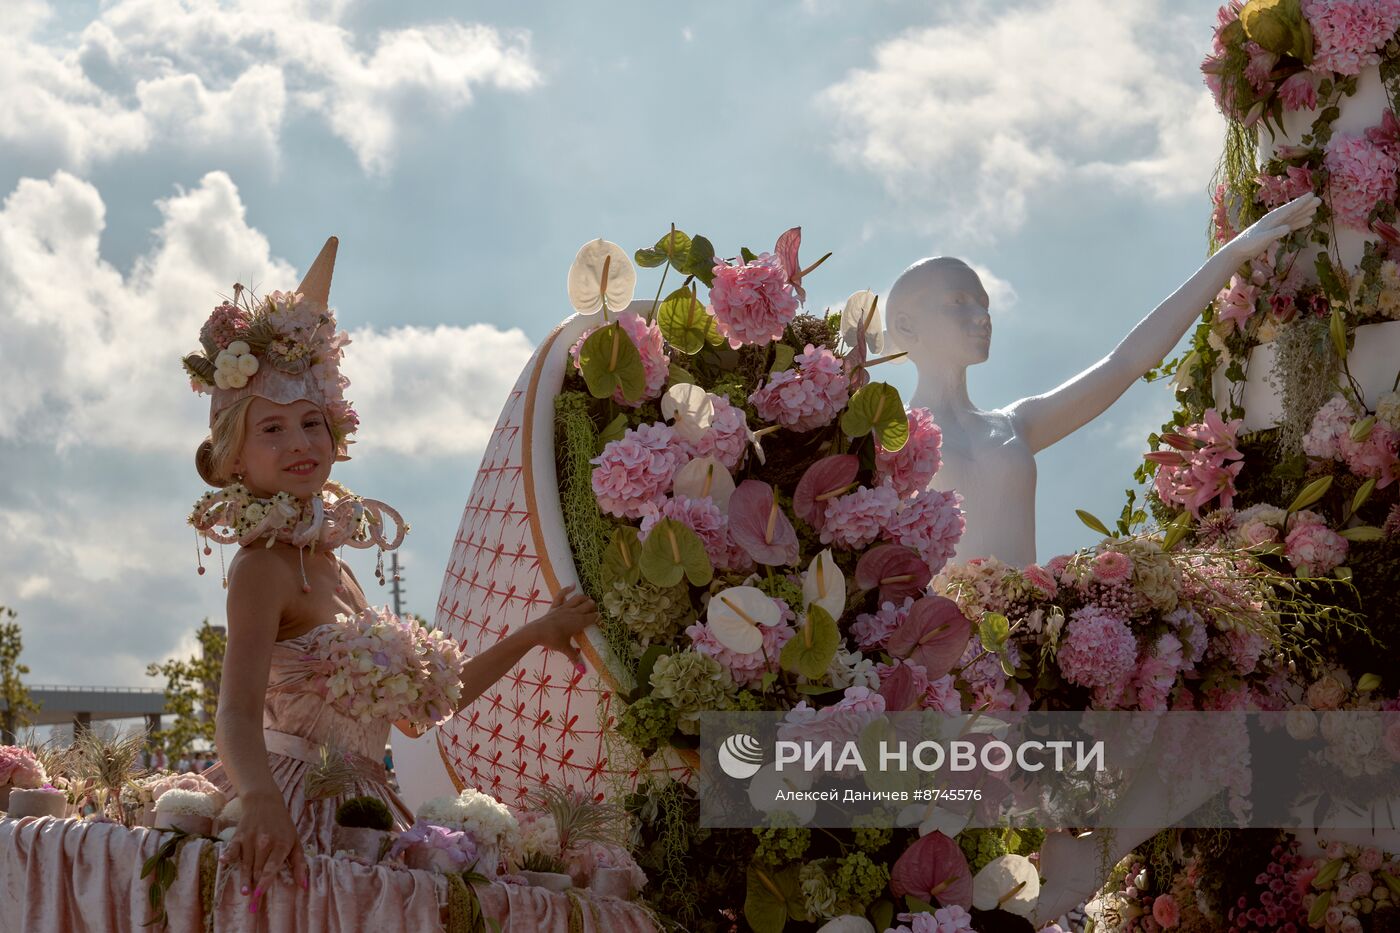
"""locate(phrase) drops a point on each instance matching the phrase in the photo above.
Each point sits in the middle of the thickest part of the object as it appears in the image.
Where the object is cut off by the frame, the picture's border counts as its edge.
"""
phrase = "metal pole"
(397, 590)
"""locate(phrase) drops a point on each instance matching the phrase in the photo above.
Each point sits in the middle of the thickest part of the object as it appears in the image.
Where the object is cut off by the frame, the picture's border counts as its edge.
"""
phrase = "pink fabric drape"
(71, 876)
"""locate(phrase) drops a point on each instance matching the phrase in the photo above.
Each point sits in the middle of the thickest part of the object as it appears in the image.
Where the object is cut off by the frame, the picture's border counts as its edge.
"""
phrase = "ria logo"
(741, 756)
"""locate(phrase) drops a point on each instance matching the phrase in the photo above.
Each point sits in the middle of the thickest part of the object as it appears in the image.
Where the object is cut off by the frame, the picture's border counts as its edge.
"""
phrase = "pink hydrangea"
(1276, 190)
(635, 472)
(872, 630)
(1156, 673)
(701, 516)
(1377, 455)
(225, 325)
(942, 695)
(19, 768)
(1112, 567)
(950, 919)
(1098, 650)
(649, 343)
(910, 468)
(807, 396)
(931, 523)
(727, 435)
(752, 302)
(585, 858)
(1361, 173)
(747, 669)
(839, 723)
(1349, 34)
(859, 517)
(1332, 421)
(1315, 549)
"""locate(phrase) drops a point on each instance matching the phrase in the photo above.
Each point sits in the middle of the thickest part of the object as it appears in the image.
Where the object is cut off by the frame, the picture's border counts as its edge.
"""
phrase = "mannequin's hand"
(1272, 227)
(568, 615)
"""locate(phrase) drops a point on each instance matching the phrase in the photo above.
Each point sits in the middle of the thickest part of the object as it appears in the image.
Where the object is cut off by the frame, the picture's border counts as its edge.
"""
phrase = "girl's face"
(288, 448)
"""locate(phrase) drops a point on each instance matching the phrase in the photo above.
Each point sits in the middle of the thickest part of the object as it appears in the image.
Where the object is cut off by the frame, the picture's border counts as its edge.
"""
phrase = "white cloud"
(216, 77)
(967, 120)
(1001, 294)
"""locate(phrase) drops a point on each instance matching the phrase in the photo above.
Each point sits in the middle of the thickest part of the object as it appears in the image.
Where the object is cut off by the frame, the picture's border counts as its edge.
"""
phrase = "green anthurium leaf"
(813, 689)
(700, 261)
(882, 915)
(672, 551)
(649, 258)
(675, 246)
(712, 336)
(614, 431)
(767, 681)
(1311, 493)
(877, 407)
(1007, 668)
(1362, 429)
(772, 898)
(917, 906)
(747, 254)
(783, 355)
(684, 320)
(679, 376)
(610, 361)
(1391, 882)
(811, 651)
(1368, 682)
(1093, 522)
(994, 631)
(622, 558)
(1362, 533)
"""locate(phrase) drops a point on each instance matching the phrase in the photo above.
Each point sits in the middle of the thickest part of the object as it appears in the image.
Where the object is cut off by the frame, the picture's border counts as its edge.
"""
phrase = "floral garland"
(328, 520)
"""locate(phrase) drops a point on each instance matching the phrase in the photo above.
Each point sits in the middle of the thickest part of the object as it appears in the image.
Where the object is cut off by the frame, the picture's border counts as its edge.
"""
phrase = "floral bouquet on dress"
(376, 667)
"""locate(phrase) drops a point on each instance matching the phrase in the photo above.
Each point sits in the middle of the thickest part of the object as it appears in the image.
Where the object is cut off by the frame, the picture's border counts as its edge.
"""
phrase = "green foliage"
(781, 586)
(810, 651)
(610, 362)
(575, 438)
(858, 882)
(364, 813)
(685, 323)
(780, 845)
(191, 693)
(877, 408)
(648, 723)
(672, 551)
(18, 703)
(980, 846)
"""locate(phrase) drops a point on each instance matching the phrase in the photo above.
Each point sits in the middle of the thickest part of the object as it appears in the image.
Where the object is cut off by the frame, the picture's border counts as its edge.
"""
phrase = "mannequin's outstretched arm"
(1044, 419)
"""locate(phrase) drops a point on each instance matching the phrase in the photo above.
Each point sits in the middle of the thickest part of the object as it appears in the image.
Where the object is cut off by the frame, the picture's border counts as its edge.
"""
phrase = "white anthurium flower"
(601, 270)
(705, 477)
(691, 408)
(857, 322)
(1010, 883)
(238, 347)
(247, 364)
(769, 781)
(930, 817)
(736, 614)
(825, 585)
(847, 923)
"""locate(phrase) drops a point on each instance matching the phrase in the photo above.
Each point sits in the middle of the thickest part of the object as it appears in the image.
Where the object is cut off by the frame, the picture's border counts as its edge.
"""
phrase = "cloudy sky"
(152, 152)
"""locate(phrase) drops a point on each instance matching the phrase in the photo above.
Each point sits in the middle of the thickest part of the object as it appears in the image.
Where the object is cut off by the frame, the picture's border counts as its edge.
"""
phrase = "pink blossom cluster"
(910, 468)
(701, 516)
(1237, 302)
(190, 781)
(1112, 567)
(635, 472)
(872, 629)
(459, 846)
(376, 667)
(225, 325)
(1156, 673)
(727, 435)
(839, 723)
(1360, 174)
(752, 302)
(19, 768)
(1098, 649)
(1278, 899)
(1329, 438)
(1299, 91)
(807, 396)
(1213, 66)
(1313, 548)
(950, 919)
(931, 523)
(1348, 35)
(858, 518)
(942, 695)
(1277, 190)
(650, 345)
(585, 858)
(1202, 464)
(747, 669)
(1220, 216)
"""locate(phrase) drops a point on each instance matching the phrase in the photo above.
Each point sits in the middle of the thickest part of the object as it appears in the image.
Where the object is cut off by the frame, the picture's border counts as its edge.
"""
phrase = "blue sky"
(154, 151)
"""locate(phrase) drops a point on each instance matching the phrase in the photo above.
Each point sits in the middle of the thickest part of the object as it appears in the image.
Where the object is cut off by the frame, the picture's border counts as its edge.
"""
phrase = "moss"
(364, 813)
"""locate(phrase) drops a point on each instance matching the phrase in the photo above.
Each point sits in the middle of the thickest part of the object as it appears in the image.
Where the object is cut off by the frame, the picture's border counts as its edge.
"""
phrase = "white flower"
(226, 361)
(247, 364)
(232, 811)
(1010, 883)
(1301, 723)
(221, 378)
(1388, 410)
(178, 802)
(238, 348)
(236, 380)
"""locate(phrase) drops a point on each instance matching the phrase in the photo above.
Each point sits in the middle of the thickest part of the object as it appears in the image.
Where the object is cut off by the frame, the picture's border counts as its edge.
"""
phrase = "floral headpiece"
(283, 348)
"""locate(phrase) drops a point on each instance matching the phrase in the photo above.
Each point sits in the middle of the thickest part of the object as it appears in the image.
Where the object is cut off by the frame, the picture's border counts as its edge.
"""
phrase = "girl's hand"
(265, 841)
(1272, 227)
(569, 614)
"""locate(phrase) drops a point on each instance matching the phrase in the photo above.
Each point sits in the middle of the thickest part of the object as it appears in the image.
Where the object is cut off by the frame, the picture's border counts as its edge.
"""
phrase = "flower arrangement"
(20, 768)
(375, 666)
(434, 846)
(180, 802)
(492, 826)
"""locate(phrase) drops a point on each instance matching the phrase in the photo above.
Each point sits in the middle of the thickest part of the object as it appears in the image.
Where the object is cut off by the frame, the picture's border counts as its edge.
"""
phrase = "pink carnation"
(931, 523)
(1113, 567)
(701, 516)
(648, 341)
(840, 723)
(727, 435)
(636, 471)
(1277, 190)
(872, 630)
(752, 302)
(1315, 549)
(859, 517)
(1242, 648)
(807, 396)
(1361, 174)
(747, 669)
(1099, 649)
(1042, 580)
(910, 468)
(1349, 34)
(19, 768)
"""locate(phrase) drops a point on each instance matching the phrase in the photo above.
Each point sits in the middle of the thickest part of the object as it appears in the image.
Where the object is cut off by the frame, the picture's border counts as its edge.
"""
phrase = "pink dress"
(298, 724)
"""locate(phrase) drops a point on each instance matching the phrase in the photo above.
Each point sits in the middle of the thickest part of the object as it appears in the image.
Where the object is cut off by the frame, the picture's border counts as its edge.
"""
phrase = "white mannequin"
(938, 312)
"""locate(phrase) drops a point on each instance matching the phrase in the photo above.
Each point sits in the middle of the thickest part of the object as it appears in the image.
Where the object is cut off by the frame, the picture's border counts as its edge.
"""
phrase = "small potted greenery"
(546, 871)
(364, 827)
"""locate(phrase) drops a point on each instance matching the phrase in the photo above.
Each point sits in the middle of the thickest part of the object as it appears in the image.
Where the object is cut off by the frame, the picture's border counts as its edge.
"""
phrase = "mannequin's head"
(937, 310)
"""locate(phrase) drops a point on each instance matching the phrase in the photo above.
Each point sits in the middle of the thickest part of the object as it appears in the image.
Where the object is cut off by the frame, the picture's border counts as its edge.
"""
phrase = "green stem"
(656, 302)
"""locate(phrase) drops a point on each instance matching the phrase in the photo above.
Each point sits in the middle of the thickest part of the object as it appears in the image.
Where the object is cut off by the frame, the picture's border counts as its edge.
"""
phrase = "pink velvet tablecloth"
(70, 876)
